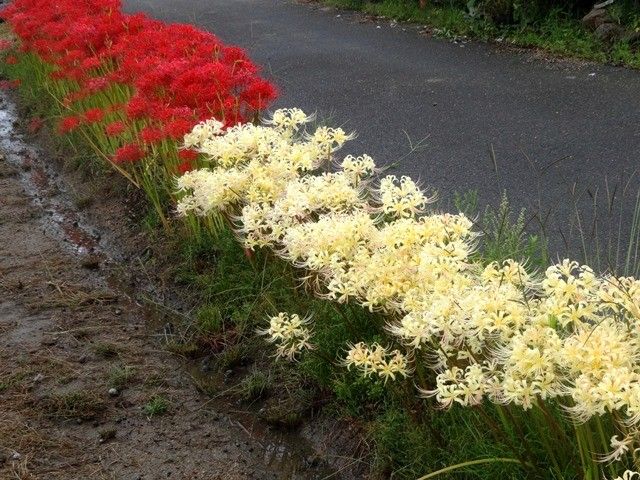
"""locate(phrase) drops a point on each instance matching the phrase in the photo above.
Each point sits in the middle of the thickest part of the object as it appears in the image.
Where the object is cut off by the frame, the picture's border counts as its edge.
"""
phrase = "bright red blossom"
(129, 153)
(185, 166)
(114, 129)
(94, 115)
(172, 75)
(178, 127)
(187, 154)
(152, 135)
(68, 124)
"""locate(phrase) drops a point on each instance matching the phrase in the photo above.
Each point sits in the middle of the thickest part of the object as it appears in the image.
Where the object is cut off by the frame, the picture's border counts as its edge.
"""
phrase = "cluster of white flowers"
(493, 332)
(401, 198)
(290, 333)
(289, 120)
(377, 360)
(202, 132)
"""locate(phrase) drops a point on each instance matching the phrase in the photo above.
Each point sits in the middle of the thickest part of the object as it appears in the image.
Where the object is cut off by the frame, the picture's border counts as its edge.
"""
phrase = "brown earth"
(86, 389)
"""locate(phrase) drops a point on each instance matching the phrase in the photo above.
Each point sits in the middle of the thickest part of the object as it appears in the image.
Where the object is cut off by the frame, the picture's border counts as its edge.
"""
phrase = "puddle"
(43, 185)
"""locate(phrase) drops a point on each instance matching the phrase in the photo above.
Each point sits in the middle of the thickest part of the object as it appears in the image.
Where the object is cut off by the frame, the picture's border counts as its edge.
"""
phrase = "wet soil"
(87, 390)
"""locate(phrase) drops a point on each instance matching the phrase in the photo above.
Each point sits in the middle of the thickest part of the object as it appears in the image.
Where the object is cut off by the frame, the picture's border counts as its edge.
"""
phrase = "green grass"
(106, 350)
(73, 405)
(209, 319)
(504, 232)
(255, 385)
(121, 377)
(157, 405)
(556, 32)
(13, 380)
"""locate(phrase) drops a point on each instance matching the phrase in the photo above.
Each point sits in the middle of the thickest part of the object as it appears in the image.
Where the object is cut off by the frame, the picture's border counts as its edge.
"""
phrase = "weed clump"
(76, 404)
(157, 405)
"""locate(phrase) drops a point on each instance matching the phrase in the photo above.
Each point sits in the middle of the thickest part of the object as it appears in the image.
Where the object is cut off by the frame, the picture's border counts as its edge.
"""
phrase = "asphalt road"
(554, 135)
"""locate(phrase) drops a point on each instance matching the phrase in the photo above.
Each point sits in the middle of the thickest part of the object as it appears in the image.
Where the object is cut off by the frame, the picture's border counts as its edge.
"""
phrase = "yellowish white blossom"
(497, 332)
(290, 333)
(377, 360)
(628, 475)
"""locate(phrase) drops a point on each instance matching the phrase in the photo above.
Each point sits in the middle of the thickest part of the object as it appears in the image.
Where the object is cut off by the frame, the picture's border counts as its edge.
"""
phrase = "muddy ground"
(87, 390)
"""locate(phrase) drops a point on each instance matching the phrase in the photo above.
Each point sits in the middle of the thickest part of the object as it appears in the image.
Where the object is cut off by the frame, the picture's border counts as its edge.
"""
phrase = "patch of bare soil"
(86, 389)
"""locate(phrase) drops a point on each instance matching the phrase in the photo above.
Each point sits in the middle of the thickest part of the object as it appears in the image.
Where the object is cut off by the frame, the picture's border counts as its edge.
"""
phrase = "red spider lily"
(68, 124)
(178, 127)
(172, 76)
(114, 129)
(188, 158)
(185, 166)
(129, 153)
(94, 115)
(188, 154)
(152, 135)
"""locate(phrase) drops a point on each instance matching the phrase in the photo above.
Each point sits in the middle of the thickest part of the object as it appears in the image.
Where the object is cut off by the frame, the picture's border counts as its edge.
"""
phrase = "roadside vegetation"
(554, 27)
(450, 341)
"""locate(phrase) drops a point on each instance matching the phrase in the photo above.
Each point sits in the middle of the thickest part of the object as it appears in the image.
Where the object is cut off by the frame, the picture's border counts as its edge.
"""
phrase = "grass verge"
(558, 33)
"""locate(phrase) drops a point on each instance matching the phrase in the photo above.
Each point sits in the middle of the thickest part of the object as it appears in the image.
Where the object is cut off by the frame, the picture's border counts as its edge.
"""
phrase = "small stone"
(113, 392)
(117, 311)
(16, 456)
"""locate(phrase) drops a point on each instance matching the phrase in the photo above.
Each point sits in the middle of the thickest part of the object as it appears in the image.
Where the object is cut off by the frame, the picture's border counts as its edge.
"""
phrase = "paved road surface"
(553, 127)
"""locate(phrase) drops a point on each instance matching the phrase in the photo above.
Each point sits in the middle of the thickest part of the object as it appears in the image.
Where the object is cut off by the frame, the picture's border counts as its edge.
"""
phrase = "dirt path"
(86, 392)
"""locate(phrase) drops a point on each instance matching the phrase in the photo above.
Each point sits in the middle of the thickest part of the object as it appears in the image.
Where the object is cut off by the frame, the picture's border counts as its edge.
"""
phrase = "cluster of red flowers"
(173, 76)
